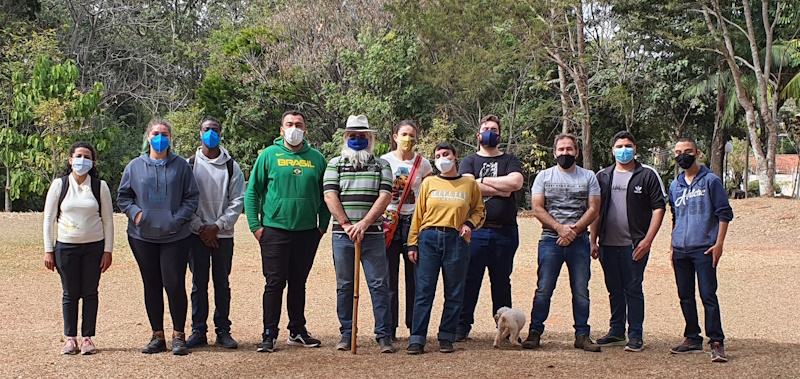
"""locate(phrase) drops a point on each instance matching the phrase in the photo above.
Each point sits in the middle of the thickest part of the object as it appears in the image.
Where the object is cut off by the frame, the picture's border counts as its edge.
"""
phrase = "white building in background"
(786, 172)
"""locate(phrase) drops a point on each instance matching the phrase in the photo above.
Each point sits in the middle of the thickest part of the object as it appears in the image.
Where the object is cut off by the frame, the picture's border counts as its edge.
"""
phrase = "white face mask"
(293, 136)
(444, 165)
(81, 166)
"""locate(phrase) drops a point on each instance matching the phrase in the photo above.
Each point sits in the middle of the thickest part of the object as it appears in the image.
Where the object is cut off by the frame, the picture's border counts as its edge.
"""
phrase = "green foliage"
(47, 110)
(441, 130)
(753, 187)
(380, 80)
(185, 130)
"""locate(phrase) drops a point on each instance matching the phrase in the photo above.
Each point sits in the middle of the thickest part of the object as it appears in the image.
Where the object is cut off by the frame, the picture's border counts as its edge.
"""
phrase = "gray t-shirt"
(618, 232)
(566, 194)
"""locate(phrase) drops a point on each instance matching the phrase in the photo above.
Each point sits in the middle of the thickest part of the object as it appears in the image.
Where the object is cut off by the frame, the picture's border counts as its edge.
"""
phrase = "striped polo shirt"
(358, 188)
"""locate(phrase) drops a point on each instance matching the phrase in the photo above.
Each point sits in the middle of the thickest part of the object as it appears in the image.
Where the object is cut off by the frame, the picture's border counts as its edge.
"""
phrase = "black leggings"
(79, 268)
(163, 265)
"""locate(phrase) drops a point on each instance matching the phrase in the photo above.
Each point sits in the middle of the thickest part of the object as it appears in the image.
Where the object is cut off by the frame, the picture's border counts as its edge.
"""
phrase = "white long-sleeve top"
(221, 200)
(79, 221)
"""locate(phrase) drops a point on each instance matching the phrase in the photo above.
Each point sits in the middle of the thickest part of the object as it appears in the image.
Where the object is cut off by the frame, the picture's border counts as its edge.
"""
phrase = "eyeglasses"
(357, 136)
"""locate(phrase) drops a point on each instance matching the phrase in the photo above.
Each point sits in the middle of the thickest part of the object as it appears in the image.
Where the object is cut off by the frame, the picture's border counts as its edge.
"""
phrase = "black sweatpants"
(163, 265)
(399, 248)
(79, 268)
(202, 259)
(286, 257)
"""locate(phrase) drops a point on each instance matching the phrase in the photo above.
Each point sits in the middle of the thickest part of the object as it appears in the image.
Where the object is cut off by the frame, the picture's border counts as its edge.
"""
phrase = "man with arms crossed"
(499, 176)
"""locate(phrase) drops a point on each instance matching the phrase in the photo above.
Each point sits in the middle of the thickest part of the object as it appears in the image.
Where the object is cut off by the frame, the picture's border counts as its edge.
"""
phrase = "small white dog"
(509, 323)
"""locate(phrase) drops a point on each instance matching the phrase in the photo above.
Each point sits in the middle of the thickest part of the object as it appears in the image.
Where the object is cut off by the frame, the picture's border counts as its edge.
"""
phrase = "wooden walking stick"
(354, 331)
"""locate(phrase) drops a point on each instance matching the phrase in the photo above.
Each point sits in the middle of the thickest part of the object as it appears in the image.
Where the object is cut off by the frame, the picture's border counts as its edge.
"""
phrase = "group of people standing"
(461, 222)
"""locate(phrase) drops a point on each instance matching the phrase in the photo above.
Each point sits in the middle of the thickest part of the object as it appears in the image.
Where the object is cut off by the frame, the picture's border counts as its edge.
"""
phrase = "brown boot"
(584, 342)
(533, 340)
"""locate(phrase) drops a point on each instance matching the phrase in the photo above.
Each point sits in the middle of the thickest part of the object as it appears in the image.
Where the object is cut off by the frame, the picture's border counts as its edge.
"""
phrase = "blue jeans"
(578, 257)
(376, 271)
(624, 278)
(686, 266)
(493, 249)
(448, 251)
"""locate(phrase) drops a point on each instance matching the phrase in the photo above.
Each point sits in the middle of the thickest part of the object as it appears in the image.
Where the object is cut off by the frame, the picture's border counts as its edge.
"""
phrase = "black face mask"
(685, 160)
(566, 161)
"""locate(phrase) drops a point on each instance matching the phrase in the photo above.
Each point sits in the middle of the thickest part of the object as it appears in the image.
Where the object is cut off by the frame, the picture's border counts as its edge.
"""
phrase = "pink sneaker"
(87, 346)
(70, 346)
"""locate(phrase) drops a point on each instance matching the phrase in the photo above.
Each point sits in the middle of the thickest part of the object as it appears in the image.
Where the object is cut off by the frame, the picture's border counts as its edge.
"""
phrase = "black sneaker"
(718, 353)
(156, 345)
(386, 345)
(267, 345)
(415, 349)
(225, 340)
(344, 344)
(611, 340)
(533, 340)
(634, 344)
(446, 346)
(303, 339)
(461, 336)
(196, 339)
(584, 342)
(179, 345)
(687, 347)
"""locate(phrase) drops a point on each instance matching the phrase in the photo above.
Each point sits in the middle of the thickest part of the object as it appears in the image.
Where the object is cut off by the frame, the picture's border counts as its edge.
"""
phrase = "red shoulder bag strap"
(411, 177)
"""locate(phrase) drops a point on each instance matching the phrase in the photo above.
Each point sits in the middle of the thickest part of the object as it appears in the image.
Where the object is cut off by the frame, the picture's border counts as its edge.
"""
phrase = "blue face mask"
(624, 154)
(358, 144)
(489, 138)
(159, 143)
(210, 139)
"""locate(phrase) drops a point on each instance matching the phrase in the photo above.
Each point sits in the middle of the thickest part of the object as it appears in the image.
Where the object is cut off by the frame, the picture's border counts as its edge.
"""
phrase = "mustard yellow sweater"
(447, 202)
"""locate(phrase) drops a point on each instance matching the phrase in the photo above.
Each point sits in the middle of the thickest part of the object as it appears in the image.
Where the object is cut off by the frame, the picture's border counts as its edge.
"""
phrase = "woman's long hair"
(93, 172)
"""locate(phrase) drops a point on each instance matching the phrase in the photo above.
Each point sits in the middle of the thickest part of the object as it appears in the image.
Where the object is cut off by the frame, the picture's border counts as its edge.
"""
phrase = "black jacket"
(645, 194)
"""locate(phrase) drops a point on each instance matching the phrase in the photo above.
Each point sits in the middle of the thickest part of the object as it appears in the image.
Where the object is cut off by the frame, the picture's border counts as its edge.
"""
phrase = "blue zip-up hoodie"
(166, 194)
(697, 210)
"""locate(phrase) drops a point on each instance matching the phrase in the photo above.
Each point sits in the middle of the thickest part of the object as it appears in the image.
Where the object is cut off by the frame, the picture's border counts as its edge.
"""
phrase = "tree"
(722, 22)
(48, 109)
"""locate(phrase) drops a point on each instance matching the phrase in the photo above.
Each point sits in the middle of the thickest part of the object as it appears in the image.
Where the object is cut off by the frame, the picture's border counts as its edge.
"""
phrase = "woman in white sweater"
(80, 204)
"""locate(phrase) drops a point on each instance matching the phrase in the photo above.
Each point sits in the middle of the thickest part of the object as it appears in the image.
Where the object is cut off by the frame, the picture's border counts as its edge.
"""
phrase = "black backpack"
(65, 187)
(228, 165)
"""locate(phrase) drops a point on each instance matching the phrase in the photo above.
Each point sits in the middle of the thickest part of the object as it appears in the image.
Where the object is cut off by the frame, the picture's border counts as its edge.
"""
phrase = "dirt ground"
(758, 296)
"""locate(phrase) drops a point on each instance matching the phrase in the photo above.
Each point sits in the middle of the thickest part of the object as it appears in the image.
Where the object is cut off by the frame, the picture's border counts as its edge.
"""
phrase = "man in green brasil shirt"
(288, 216)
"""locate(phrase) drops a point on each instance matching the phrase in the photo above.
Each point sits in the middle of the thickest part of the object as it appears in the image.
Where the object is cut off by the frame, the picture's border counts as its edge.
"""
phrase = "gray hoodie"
(166, 194)
(221, 199)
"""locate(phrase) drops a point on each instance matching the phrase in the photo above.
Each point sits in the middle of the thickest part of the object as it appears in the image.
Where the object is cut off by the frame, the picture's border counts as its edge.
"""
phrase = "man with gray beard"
(358, 188)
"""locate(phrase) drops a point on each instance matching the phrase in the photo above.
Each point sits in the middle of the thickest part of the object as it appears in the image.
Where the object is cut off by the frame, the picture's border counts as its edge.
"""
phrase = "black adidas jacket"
(645, 194)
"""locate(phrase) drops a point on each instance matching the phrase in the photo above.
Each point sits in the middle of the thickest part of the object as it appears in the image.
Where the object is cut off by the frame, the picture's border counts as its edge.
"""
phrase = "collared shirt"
(358, 188)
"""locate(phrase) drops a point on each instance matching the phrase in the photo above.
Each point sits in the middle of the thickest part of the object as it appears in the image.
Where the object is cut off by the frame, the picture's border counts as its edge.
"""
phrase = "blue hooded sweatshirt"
(697, 210)
(165, 192)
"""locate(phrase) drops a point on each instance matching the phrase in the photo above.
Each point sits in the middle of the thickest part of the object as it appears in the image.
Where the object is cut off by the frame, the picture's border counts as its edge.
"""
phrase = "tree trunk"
(562, 84)
(8, 189)
(583, 89)
(717, 152)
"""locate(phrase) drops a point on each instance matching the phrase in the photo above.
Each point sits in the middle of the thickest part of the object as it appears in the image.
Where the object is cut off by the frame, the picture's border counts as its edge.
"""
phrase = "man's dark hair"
(565, 136)
(492, 118)
(445, 146)
(624, 134)
(211, 119)
(293, 112)
(690, 140)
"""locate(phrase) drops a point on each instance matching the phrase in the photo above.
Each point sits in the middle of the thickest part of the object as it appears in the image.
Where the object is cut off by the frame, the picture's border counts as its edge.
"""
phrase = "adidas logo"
(637, 189)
